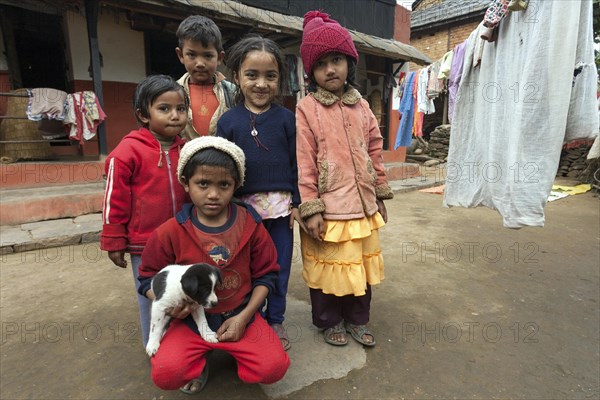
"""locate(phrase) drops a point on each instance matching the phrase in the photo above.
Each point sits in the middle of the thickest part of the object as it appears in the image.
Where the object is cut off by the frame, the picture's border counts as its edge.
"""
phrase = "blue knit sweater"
(274, 170)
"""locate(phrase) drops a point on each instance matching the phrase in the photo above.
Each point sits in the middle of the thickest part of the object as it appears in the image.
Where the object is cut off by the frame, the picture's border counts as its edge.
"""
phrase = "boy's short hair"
(211, 151)
(200, 29)
(149, 89)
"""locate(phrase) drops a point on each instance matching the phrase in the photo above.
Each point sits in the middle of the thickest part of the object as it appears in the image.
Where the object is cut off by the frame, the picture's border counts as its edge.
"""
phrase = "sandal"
(282, 335)
(196, 385)
(335, 330)
(358, 331)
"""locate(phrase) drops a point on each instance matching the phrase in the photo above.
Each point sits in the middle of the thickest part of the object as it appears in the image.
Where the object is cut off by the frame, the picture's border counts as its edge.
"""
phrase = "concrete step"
(32, 204)
(54, 233)
(44, 174)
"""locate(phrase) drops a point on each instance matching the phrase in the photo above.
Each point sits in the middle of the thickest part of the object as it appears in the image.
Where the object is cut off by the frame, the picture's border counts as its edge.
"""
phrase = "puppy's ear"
(189, 284)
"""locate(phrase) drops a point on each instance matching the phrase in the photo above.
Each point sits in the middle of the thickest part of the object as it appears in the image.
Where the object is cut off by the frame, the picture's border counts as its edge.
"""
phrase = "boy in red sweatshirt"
(230, 236)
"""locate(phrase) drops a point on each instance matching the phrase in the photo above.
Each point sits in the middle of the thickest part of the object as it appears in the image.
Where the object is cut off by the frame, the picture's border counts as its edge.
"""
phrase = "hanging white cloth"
(424, 103)
(516, 109)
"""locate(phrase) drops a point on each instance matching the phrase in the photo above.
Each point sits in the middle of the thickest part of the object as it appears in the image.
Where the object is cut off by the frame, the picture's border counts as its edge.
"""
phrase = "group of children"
(212, 175)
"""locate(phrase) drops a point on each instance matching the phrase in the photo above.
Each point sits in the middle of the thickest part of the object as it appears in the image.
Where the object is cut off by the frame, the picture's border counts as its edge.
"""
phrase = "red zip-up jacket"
(142, 191)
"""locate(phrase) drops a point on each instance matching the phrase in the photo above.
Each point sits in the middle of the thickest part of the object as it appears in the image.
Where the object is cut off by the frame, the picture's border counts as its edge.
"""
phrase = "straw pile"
(21, 129)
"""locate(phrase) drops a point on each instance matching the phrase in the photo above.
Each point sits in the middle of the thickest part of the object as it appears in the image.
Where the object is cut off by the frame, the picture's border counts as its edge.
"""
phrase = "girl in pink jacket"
(342, 185)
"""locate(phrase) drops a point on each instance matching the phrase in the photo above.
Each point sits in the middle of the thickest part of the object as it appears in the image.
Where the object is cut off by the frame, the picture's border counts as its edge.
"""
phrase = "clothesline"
(79, 112)
(444, 75)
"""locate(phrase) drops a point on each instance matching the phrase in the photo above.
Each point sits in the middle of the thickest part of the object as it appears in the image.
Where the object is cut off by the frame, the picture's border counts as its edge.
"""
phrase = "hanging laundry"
(445, 65)
(424, 103)
(478, 44)
(46, 103)
(389, 83)
(406, 110)
(495, 13)
(511, 114)
(418, 117)
(435, 86)
(84, 114)
(518, 5)
(455, 76)
(292, 85)
(398, 91)
(401, 85)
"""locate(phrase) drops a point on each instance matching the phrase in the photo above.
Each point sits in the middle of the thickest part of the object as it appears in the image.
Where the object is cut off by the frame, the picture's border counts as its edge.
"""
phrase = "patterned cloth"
(495, 12)
(84, 114)
(46, 103)
(269, 204)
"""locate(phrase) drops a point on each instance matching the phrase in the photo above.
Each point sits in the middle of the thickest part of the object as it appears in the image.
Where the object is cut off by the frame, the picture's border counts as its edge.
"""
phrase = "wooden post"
(91, 16)
(12, 58)
(445, 114)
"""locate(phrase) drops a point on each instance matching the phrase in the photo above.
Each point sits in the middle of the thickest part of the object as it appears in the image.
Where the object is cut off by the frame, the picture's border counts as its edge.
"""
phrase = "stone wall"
(439, 142)
(573, 160)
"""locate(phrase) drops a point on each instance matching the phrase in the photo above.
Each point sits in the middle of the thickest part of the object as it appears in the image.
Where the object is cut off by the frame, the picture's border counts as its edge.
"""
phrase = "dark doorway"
(38, 49)
(160, 54)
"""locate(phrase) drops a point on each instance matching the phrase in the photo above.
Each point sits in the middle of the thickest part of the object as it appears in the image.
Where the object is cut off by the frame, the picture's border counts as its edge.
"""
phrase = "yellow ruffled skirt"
(348, 258)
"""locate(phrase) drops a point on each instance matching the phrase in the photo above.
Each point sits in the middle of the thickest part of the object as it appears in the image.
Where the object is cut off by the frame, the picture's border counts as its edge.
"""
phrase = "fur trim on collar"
(325, 97)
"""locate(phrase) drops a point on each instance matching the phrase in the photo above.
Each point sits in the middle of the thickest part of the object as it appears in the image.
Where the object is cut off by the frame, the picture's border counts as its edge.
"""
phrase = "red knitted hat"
(323, 35)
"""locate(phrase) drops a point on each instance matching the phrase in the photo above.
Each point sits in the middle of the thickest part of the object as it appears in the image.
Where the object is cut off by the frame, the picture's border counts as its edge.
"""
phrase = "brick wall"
(402, 24)
(460, 33)
(435, 43)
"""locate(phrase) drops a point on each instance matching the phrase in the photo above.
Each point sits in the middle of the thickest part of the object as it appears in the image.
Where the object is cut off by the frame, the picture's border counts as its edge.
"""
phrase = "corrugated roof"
(447, 11)
(272, 21)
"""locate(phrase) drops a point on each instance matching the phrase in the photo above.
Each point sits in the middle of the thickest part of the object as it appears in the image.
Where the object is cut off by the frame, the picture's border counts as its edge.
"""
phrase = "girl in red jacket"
(142, 190)
(342, 185)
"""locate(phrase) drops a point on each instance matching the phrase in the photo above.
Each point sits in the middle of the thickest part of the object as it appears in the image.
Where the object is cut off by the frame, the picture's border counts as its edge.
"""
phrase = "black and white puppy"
(176, 285)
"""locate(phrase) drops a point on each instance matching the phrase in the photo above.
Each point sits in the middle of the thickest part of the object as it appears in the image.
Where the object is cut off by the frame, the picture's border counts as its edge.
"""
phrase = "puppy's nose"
(211, 304)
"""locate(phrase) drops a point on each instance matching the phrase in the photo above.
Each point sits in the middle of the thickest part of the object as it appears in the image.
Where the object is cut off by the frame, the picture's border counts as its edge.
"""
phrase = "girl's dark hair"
(211, 157)
(235, 56)
(350, 79)
(149, 89)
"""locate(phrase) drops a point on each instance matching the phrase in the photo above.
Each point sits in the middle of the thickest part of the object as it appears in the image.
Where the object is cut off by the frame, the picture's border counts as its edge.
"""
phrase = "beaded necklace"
(254, 131)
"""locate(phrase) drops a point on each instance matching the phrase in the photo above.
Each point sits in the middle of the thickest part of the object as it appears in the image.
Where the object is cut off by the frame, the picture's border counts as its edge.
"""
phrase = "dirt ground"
(468, 309)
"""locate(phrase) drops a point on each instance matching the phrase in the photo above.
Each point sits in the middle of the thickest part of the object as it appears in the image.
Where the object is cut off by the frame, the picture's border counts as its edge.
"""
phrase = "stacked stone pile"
(573, 161)
(439, 142)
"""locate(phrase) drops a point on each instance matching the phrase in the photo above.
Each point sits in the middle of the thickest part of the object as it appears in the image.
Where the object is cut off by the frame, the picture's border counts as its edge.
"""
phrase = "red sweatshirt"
(253, 263)
(142, 191)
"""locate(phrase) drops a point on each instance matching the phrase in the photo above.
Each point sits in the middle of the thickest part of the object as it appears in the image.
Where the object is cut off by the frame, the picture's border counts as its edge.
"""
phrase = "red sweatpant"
(181, 355)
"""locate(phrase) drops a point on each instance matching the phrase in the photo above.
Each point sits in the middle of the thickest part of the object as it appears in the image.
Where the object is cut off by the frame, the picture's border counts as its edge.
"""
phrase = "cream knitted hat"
(215, 142)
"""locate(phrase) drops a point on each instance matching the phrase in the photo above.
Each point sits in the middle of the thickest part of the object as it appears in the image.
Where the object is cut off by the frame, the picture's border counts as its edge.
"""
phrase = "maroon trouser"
(329, 310)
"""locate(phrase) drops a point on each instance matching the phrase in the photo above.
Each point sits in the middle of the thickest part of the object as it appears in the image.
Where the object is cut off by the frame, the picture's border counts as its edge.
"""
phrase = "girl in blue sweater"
(267, 133)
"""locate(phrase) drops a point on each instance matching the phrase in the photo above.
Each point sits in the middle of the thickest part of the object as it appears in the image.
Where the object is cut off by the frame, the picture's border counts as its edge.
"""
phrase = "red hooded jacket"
(142, 191)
